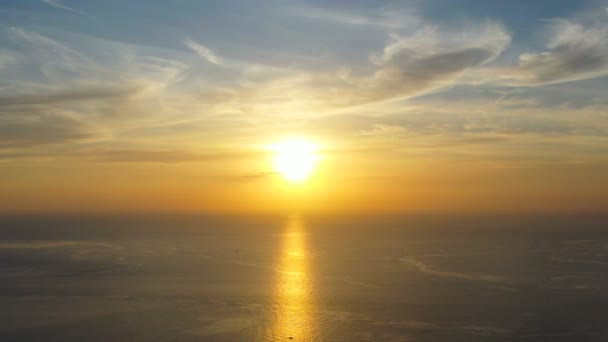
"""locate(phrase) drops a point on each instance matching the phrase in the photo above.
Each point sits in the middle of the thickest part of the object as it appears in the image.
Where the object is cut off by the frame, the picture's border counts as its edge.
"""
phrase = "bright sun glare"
(295, 158)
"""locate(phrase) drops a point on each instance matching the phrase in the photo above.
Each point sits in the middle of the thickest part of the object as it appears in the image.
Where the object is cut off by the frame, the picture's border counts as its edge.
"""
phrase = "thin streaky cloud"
(106, 155)
(71, 95)
(57, 4)
(203, 51)
(387, 20)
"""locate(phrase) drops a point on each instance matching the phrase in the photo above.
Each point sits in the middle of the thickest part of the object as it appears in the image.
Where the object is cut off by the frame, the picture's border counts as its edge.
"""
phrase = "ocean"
(187, 277)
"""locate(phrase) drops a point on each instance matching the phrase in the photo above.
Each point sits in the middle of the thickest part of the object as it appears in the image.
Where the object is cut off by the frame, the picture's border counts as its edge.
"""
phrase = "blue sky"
(515, 83)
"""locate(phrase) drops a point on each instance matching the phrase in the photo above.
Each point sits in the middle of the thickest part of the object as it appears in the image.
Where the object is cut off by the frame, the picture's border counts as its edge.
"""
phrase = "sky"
(415, 106)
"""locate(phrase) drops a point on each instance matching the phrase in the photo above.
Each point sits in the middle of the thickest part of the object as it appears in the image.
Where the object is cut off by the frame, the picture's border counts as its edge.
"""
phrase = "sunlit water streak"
(294, 296)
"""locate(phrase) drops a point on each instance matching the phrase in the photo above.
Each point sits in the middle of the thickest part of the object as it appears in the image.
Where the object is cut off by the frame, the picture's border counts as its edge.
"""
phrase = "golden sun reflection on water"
(295, 305)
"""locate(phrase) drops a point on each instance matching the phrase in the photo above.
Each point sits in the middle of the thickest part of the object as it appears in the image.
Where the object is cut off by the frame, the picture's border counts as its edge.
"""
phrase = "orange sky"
(342, 181)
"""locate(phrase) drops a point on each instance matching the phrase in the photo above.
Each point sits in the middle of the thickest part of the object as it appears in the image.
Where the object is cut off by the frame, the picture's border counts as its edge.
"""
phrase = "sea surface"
(298, 278)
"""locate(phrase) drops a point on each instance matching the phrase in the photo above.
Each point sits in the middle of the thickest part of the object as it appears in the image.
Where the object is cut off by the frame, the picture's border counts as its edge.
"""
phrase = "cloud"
(57, 58)
(445, 119)
(58, 4)
(575, 50)
(7, 61)
(249, 177)
(203, 51)
(24, 130)
(12, 155)
(104, 154)
(62, 87)
(82, 93)
(393, 19)
(425, 60)
(411, 64)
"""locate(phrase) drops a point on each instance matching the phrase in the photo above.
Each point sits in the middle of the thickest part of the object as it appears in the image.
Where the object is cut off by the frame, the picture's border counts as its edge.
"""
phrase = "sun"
(295, 158)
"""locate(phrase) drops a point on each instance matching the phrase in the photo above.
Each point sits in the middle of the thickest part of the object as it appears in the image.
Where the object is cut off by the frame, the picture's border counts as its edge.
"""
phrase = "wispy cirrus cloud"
(384, 18)
(64, 90)
(58, 4)
(574, 49)
(411, 64)
(203, 51)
